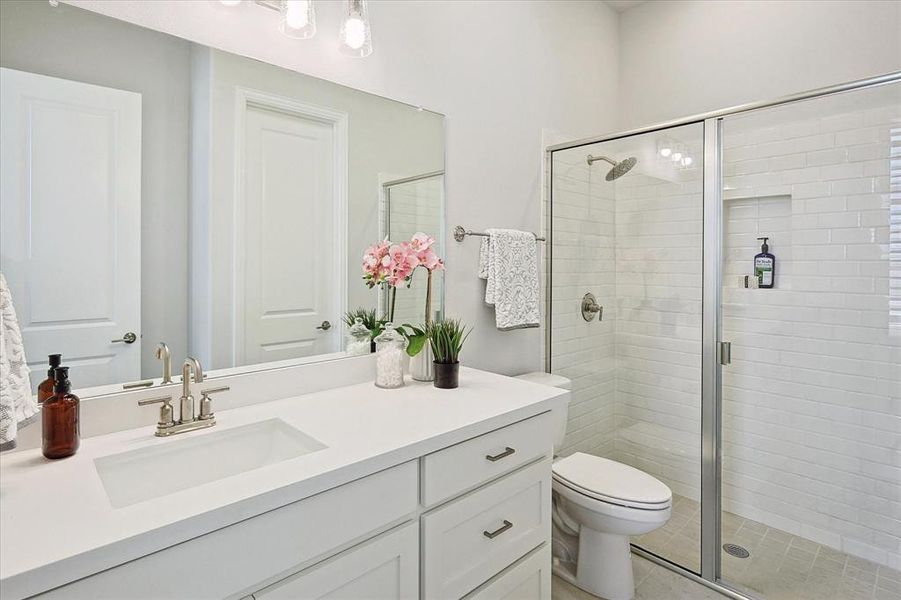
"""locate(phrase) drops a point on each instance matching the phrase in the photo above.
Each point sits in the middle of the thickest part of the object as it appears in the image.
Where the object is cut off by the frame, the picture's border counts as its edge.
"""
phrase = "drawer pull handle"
(493, 534)
(507, 452)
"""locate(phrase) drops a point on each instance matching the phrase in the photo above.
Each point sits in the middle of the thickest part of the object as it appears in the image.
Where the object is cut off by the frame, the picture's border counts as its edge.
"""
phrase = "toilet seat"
(611, 482)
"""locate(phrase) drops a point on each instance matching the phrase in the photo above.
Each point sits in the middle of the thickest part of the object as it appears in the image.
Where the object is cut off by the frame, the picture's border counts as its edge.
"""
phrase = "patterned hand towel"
(17, 406)
(508, 261)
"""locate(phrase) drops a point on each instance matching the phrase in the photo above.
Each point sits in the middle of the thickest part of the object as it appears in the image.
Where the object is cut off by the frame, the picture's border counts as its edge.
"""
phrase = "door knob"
(325, 326)
(128, 338)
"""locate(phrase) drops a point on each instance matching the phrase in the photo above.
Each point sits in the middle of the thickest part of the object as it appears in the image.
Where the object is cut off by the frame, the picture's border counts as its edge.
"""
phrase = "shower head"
(619, 168)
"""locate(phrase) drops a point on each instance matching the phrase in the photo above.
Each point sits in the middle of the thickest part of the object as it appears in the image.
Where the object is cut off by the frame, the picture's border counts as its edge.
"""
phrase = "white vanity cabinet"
(484, 529)
(469, 520)
(254, 553)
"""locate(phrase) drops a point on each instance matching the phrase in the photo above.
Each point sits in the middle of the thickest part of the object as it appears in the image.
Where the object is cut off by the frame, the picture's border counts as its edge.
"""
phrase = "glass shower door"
(626, 225)
(811, 399)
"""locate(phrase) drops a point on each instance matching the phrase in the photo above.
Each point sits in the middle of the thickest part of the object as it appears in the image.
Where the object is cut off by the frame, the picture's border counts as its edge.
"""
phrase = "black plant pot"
(372, 346)
(447, 375)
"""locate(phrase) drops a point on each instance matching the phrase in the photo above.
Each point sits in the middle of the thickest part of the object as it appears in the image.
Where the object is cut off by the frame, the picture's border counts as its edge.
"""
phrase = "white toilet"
(598, 504)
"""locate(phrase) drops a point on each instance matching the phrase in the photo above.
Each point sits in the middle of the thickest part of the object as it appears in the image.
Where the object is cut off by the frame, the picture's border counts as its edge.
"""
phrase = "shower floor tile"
(781, 566)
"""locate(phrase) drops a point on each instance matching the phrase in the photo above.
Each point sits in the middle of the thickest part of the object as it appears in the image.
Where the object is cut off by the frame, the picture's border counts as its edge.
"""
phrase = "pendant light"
(355, 39)
(298, 19)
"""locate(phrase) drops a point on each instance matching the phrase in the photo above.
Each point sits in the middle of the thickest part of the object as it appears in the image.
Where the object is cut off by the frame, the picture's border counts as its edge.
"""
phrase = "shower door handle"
(724, 349)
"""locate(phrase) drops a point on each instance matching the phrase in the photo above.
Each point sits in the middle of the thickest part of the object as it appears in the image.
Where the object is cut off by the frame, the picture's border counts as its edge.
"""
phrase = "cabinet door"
(527, 579)
(384, 568)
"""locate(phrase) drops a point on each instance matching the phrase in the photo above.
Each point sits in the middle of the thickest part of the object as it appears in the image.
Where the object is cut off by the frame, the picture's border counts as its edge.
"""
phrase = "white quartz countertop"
(57, 524)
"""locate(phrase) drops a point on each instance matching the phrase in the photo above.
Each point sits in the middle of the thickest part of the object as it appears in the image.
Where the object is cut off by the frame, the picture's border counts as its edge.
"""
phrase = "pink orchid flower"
(394, 264)
(421, 242)
(429, 260)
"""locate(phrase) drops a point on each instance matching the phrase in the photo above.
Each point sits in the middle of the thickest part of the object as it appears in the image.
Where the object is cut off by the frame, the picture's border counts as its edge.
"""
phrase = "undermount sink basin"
(139, 475)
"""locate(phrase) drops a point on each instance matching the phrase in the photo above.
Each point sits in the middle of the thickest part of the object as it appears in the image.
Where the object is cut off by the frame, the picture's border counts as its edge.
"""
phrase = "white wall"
(684, 57)
(500, 72)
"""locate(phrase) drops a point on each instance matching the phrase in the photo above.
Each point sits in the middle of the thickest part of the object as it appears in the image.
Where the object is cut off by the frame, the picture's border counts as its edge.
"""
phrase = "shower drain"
(736, 550)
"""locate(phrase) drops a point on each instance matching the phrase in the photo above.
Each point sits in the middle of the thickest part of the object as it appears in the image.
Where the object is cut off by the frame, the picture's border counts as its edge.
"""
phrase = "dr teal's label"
(763, 269)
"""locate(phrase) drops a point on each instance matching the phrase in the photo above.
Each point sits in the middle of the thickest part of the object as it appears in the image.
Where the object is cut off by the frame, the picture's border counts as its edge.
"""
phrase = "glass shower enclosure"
(772, 413)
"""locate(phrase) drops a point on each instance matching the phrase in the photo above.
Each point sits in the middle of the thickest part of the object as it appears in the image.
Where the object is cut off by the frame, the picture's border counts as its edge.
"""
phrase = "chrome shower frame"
(711, 330)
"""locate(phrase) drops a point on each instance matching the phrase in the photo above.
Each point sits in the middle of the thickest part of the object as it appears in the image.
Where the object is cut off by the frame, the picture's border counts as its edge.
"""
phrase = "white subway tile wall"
(812, 399)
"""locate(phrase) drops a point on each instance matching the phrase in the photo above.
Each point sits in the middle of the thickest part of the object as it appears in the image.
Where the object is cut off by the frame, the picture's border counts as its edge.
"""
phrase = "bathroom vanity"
(354, 491)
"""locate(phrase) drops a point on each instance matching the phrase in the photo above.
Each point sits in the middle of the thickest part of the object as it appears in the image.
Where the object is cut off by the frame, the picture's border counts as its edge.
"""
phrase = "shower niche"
(745, 220)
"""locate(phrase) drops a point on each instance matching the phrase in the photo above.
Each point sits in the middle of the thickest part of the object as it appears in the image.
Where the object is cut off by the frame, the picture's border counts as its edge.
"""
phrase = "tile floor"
(652, 582)
(781, 566)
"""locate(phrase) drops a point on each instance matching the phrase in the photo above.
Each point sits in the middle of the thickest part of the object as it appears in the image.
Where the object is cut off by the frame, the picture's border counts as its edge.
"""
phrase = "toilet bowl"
(610, 502)
(598, 504)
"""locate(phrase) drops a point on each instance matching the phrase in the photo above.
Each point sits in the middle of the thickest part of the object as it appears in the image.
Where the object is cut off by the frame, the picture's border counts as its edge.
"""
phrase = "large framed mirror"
(159, 192)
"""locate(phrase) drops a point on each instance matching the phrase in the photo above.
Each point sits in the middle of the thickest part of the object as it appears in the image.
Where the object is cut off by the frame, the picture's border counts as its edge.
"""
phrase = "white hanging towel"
(508, 260)
(17, 406)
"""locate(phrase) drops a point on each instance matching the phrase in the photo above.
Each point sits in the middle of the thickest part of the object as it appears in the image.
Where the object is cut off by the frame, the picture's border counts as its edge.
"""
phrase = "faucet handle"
(206, 403)
(166, 419)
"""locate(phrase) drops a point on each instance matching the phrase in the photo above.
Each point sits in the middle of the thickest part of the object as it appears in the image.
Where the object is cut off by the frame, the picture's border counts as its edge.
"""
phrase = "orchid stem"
(393, 299)
(428, 300)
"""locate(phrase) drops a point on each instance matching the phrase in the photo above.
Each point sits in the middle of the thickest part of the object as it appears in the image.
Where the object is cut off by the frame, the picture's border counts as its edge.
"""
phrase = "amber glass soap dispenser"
(59, 416)
(45, 390)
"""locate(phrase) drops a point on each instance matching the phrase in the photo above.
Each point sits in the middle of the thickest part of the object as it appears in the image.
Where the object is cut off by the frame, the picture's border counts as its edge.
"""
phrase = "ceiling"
(622, 5)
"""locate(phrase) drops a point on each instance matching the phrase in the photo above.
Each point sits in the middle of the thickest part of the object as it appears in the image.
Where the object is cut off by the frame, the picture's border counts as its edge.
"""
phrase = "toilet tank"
(559, 416)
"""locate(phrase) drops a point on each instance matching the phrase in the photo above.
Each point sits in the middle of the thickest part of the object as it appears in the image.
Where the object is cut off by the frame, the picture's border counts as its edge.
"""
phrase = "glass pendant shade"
(298, 19)
(230, 2)
(355, 39)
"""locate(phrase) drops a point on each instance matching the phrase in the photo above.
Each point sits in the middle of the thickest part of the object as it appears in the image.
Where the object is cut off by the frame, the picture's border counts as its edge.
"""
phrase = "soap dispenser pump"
(765, 266)
(45, 390)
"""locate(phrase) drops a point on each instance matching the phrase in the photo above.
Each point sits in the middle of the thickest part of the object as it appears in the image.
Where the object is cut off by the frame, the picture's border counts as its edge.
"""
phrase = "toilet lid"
(607, 479)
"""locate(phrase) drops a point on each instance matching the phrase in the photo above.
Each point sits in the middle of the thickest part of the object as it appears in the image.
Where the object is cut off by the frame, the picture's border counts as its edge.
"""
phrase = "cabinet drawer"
(384, 568)
(527, 579)
(451, 471)
(468, 541)
(253, 553)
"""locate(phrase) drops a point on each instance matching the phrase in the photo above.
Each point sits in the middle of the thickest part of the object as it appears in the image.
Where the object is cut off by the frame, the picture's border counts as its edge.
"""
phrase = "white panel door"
(386, 568)
(70, 222)
(290, 274)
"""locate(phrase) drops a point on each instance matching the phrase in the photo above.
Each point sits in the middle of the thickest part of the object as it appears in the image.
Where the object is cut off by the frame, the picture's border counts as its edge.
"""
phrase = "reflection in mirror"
(159, 191)
(411, 205)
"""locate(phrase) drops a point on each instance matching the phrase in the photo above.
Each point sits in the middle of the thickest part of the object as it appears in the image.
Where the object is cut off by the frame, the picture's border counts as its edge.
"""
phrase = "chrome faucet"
(162, 353)
(187, 400)
(187, 421)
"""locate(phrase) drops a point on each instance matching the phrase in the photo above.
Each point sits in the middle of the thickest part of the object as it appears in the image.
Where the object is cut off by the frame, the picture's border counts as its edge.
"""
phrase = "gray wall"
(75, 44)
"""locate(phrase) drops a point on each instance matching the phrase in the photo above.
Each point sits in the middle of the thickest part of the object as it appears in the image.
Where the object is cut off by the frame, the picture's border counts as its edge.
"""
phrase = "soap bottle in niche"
(59, 418)
(765, 266)
(45, 390)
